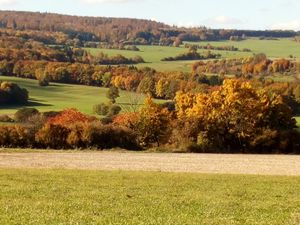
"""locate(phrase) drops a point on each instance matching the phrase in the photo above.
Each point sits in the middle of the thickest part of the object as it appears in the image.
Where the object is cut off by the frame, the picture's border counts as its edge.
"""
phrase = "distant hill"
(119, 30)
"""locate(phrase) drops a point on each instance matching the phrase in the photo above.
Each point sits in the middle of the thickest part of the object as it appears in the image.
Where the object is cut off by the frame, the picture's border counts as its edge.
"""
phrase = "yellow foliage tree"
(153, 123)
(234, 115)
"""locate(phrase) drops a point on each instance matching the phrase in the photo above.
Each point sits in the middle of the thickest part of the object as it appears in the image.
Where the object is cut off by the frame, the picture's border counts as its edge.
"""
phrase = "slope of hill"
(120, 29)
(57, 97)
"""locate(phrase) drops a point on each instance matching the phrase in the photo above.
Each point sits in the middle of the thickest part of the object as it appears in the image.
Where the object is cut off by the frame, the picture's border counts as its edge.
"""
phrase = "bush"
(51, 114)
(43, 83)
(74, 138)
(11, 93)
(69, 117)
(22, 115)
(114, 110)
(53, 136)
(101, 109)
(108, 136)
(6, 119)
(16, 136)
(107, 109)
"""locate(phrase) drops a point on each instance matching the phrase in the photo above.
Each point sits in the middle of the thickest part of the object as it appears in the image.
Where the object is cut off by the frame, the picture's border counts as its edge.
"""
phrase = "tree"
(11, 93)
(68, 117)
(235, 115)
(177, 42)
(112, 94)
(42, 77)
(147, 86)
(193, 48)
(153, 124)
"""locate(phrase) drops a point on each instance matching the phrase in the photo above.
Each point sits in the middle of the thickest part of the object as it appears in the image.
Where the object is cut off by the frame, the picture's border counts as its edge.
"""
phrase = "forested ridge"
(122, 30)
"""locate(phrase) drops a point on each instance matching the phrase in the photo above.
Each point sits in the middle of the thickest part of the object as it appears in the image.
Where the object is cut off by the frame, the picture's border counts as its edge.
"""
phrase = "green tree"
(112, 94)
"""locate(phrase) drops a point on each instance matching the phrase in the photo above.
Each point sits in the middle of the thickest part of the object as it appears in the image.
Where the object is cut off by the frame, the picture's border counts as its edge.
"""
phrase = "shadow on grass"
(31, 103)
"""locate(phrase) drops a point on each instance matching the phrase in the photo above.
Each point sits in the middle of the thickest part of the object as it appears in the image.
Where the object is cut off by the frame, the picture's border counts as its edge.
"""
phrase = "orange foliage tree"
(70, 116)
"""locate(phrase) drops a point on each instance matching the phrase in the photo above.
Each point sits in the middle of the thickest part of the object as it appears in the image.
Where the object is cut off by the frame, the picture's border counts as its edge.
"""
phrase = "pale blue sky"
(243, 14)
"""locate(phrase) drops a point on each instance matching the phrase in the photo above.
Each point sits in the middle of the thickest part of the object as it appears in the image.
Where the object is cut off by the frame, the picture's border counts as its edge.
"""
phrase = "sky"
(233, 14)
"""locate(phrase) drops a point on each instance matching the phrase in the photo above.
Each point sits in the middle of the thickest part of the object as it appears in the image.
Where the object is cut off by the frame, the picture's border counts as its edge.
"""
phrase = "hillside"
(121, 29)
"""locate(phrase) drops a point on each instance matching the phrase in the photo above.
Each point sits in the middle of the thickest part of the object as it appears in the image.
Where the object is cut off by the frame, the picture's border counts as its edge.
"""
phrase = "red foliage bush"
(69, 117)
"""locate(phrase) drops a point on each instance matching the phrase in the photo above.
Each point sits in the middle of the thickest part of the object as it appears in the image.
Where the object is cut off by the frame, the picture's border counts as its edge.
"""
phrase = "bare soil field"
(164, 162)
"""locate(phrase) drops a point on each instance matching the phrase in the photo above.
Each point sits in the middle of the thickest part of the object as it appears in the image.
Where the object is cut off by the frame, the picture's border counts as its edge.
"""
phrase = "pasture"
(94, 197)
(281, 48)
(298, 122)
(61, 96)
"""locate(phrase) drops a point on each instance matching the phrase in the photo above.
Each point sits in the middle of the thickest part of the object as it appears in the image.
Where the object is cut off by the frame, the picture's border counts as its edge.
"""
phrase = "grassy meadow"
(94, 197)
(61, 96)
(152, 56)
(281, 48)
(298, 122)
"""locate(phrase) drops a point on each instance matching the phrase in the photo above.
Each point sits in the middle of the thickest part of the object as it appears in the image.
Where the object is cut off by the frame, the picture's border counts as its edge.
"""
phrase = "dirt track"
(196, 163)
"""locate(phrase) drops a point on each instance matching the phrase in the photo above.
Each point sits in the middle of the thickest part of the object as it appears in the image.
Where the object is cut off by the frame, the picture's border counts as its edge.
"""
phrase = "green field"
(152, 56)
(282, 48)
(61, 96)
(298, 122)
(95, 197)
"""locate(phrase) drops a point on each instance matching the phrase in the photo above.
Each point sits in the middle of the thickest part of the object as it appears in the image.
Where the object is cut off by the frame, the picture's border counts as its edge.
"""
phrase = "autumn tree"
(112, 94)
(42, 77)
(234, 116)
(153, 124)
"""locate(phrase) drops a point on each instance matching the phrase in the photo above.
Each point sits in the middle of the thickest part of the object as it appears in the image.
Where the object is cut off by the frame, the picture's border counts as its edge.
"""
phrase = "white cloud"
(7, 2)
(289, 25)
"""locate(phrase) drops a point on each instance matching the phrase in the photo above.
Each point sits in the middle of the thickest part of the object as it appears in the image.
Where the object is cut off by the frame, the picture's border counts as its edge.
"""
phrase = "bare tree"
(134, 102)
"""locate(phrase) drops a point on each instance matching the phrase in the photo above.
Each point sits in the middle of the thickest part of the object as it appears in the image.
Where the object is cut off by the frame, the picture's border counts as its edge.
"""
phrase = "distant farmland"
(281, 48)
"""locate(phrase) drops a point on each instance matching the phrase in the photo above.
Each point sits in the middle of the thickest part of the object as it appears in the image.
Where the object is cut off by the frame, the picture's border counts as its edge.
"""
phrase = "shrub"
(6, 119)
(23, 114)
(108, 136)
(107, 109)
(69, 117)
(114, 110)
(50, 114)
(74, 138)
(11, 93)
(43, 82)
(4, 136)
(16, 136)
(101, 109)
(128, 120)
(53, 136)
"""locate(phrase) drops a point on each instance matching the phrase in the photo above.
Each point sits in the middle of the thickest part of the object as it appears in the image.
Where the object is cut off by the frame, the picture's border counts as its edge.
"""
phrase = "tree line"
(236, 117)
(258, 65)
(192, 54)
(121, 30)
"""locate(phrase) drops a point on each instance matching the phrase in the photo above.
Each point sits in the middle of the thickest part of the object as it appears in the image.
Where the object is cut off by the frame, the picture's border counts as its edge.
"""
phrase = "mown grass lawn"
(57, 97)
(95, 197)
